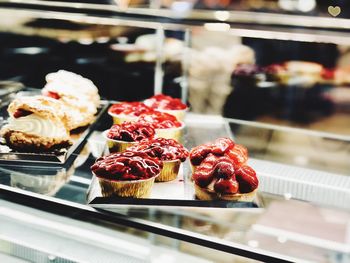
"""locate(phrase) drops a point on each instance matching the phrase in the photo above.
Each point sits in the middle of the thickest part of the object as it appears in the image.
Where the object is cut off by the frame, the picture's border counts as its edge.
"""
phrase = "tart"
(168, 105)
(217, 178)
(35, 124)
(127, 174)
(128, 111)
(165, 125)
(169, 151)
(220, 147)
(121, 136)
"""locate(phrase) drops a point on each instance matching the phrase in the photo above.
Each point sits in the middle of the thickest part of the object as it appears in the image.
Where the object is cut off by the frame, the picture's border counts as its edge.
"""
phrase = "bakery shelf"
(238, 23)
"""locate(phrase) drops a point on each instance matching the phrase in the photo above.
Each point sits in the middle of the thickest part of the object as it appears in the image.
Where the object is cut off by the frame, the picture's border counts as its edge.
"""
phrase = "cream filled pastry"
(78, 94)
(65, 83)
(36, 123)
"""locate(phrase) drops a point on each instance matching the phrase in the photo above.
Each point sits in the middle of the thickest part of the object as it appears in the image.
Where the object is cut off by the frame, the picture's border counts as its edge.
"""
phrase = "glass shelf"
(305, 197)
(238, 23)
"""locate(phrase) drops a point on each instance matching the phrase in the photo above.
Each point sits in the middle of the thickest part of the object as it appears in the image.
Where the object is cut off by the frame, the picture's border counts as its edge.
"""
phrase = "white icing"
(36, 125)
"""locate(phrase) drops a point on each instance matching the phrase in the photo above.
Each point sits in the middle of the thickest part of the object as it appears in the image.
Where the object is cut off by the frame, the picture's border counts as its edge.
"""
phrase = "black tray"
(177, 193)
(50, 158)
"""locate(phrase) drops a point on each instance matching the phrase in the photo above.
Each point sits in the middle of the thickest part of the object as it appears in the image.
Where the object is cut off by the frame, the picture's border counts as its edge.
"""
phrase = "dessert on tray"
(166, 125)
(36, 123)
(128, 111)
(121, 136)
(169, 151)
(78, 94)
(127, 174)
(168, 105)
(220, 172)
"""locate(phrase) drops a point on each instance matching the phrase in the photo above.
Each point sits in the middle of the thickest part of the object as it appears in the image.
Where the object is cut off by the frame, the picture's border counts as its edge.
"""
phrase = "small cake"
(121, 136)
(165, 125)
(220, 147)
(35, 124)
(168, 105)
(218, 177)
(65, 83)
(169, 151)
(127, 174)
(128, 111)
(78, 94)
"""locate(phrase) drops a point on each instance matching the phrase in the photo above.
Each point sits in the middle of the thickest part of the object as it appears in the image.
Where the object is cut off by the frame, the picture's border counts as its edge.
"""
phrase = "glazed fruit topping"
(52, 94)
(247, 179)
(130, 108)
(226, 186)
(163, 149)
(127, 166)
(164, 102)
(131, 131)
(21, 113)
(160, 120)
(222, 146)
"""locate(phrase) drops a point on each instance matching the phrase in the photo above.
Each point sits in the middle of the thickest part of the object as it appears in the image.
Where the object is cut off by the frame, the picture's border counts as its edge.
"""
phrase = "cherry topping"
(224, 169)
(226, 186)
(131, 131)
(160, 120)
(130, 108)
(52, 94)
(161, 148)
(127, 166)
(247, 179)
(164, 102)
(21, 113)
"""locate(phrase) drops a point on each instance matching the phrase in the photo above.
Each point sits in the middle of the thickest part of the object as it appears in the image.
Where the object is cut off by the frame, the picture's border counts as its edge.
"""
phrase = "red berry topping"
(247, 179)
(163, 149)
(131, 131)
(164, 102)
(160, 120)
(222, 145)
(127, 166)
(226, 186)
(21, 113)
(238, 154)
(130, 108)
(224, 169)
(52, 94)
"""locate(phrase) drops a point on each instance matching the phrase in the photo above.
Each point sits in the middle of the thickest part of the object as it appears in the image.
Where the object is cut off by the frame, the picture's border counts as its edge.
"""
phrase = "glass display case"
(301, 154)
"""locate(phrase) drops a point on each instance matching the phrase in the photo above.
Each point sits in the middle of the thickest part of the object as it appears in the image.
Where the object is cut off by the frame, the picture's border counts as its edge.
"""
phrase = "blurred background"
(283, 62)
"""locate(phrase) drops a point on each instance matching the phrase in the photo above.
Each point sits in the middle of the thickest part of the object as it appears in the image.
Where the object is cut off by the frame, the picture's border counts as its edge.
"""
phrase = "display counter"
(303, 198)
(50, 212)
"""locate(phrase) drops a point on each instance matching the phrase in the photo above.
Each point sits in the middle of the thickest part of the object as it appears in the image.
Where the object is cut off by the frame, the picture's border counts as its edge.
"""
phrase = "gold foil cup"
(136, 188)
(179, 114)
(171, 133)
(170, 171)
(117, 145)
(120, 118)
(207, 195)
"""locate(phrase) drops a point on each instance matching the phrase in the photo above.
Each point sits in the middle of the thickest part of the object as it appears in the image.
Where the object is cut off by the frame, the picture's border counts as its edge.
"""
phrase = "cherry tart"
(237, 153)
(127, 166)
(217, 177)
(169, 151)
